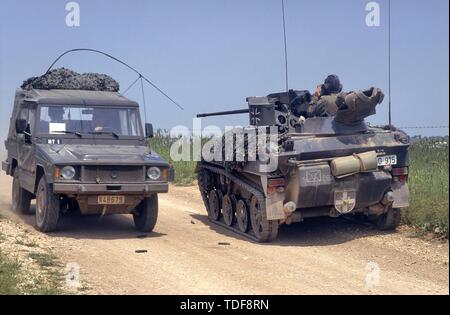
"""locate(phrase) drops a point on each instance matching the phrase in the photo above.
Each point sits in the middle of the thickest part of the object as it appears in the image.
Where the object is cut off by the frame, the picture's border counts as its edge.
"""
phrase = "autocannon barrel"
(229, 112)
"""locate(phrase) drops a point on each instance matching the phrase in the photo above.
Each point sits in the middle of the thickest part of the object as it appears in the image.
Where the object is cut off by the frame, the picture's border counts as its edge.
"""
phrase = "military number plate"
(110, 200)
(387, 160)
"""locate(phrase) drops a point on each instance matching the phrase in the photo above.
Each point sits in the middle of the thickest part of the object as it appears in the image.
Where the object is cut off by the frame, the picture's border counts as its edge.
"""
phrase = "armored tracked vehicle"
(319, 166)
(82, 150)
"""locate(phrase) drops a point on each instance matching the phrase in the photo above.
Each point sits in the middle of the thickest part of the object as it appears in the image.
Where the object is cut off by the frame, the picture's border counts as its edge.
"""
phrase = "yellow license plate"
(111, 200)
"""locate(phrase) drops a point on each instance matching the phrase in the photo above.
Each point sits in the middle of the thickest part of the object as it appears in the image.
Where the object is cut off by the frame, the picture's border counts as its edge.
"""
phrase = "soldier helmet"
(332, 84)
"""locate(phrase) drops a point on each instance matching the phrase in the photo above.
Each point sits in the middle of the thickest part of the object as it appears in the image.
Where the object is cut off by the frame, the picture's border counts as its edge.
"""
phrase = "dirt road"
(183, 255)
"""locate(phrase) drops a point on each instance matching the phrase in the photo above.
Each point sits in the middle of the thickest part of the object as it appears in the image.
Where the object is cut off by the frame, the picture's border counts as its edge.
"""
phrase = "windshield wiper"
(115, 135)
(69, 132)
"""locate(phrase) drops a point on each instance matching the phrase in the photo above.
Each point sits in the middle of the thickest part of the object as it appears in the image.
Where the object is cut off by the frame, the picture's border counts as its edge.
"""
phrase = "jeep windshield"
(64, 119)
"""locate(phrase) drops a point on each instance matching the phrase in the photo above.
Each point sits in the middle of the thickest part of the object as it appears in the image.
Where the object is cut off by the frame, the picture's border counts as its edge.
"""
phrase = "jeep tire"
(146, 214)
(47, 207)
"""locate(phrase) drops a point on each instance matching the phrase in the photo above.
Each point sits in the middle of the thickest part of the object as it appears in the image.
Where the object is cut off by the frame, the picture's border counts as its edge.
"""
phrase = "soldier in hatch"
(323, 102)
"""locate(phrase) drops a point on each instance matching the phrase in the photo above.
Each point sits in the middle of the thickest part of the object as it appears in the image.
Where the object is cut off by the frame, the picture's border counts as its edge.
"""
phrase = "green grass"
(11, 280)
(25, 242)
(428, 184)
(44, 259)
(15, 279)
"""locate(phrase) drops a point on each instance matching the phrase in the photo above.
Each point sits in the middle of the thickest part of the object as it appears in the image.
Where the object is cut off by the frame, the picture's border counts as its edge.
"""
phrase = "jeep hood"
(99, 154)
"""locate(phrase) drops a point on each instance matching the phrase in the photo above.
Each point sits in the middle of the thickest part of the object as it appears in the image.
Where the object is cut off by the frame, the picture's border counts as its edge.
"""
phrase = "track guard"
(401, 194)
(274, 207)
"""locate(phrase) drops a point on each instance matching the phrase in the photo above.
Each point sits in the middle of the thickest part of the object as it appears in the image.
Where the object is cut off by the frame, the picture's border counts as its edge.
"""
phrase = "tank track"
(268, 230)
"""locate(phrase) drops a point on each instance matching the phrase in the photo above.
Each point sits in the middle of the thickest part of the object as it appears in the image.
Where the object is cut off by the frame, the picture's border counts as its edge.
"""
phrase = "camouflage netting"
(67, 79)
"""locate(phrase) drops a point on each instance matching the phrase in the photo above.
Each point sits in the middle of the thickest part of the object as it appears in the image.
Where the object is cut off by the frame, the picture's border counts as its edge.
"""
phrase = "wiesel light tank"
(324, 166)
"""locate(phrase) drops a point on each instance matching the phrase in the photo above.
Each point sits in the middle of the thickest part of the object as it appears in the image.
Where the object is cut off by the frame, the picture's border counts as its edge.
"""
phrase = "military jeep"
(86, 151)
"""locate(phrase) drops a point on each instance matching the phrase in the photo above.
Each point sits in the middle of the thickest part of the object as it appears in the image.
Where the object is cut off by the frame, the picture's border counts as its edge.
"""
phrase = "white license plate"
(387, 160)
(110, 200)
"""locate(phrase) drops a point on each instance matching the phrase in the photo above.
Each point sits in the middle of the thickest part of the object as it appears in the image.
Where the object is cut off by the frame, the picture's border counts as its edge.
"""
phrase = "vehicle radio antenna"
(389, 62)
(141, 76)
(285, 47)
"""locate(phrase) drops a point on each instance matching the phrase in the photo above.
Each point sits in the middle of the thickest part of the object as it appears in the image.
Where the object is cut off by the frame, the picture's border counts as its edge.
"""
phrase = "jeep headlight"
(154, 173)
(68, 172)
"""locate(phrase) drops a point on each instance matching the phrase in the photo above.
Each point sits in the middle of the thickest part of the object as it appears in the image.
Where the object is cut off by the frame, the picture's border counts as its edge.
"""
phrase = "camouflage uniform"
(323, 102)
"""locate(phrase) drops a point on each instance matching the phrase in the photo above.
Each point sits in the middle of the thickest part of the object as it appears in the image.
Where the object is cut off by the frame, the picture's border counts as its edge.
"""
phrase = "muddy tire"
(21, 198)
(242, 216)
(229, 209)
(389, 220)
(263, 229)
(146, 214)
(214, 204)
(47, 207)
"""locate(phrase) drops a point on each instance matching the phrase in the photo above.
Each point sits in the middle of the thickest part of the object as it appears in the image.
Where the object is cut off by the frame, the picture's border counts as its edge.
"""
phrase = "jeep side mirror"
(149, 130)
(21, 125)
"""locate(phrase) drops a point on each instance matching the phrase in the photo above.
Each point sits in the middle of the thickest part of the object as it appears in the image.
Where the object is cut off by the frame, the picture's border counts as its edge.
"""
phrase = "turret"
(272, 110)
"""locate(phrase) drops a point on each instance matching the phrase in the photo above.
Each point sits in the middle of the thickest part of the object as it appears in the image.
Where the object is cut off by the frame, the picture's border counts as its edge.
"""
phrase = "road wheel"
(21, 198)
(47, 207)
(263, 229)
(228, 209)
(215, 204)
(242, 216)
(389, 220)
(146, 214)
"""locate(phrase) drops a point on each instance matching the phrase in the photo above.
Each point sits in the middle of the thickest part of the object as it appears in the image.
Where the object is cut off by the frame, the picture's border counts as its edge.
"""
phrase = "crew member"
(323, 102)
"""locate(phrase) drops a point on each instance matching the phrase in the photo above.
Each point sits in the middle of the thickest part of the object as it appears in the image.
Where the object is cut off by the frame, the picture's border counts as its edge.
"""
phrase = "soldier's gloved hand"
(380, 96)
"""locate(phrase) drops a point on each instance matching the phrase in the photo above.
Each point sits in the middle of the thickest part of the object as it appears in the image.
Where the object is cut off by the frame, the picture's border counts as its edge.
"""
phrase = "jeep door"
(26, 149)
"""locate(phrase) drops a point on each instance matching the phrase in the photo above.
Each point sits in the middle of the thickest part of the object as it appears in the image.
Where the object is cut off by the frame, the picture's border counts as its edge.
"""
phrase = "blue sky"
(211, 54)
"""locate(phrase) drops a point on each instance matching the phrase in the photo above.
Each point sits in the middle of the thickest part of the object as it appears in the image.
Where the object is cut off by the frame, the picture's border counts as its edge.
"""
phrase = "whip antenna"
(285, 46)
(141, 76)
(389, 62)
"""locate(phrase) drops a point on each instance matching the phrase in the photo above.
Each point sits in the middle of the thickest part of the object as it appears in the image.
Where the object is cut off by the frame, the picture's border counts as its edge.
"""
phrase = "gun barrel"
(229, 112)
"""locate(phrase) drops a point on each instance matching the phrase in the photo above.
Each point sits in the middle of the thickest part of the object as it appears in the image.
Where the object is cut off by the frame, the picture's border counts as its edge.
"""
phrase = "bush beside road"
(428, 183)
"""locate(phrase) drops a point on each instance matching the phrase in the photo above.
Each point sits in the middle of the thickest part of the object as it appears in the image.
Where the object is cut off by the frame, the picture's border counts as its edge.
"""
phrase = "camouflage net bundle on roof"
(67, 79)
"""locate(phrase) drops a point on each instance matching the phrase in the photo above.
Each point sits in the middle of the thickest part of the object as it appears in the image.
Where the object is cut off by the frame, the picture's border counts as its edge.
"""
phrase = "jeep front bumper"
(116, 188)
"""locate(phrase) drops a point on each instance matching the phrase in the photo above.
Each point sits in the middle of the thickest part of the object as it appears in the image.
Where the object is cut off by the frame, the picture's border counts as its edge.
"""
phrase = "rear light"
(397, 171)
(275, 185)
(401, 173)
(275, 182)
(403, 178)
